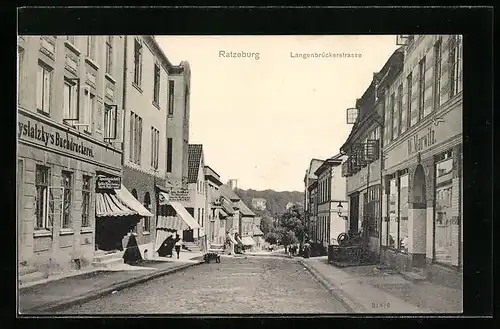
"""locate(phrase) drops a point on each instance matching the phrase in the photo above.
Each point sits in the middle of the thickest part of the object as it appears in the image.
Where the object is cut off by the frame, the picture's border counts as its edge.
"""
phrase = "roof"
(195, 152)
(228, 193)
(335, 160)
(245, 211)
(257, 231)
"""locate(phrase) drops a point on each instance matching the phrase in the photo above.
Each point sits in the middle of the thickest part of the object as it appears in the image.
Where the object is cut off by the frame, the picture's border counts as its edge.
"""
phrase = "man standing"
(178, 244)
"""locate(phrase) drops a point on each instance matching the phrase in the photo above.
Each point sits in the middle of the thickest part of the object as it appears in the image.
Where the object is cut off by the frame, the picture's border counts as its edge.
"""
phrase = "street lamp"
(340, 210)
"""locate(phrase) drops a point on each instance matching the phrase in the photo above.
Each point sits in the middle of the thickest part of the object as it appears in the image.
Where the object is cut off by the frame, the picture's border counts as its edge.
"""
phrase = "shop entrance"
(419, 229)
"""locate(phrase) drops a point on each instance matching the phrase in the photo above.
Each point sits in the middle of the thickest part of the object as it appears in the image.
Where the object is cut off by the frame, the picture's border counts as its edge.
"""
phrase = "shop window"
(43, 220)
(86, 191)
(67, 178)
(447, 239)
(44, 88)
(147, 205)
(403, 213)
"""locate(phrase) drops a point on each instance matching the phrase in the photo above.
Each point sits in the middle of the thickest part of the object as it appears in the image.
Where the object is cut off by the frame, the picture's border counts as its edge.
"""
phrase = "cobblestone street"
(236, 285)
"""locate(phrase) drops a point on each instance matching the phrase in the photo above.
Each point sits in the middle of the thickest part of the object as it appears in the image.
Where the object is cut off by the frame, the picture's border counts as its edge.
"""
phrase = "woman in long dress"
(132, 253)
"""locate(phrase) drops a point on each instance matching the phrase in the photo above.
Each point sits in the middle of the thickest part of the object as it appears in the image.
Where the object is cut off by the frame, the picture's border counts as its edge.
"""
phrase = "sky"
(261, 119)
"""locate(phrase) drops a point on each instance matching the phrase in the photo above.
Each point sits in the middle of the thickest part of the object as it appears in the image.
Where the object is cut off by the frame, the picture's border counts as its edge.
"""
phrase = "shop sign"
(179, 194)
(109, 183)
(46, 136)
(419, 142)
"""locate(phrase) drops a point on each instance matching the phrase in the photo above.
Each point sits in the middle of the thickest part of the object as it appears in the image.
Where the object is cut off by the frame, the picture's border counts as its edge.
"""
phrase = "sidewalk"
(365, 289)
(54, 293)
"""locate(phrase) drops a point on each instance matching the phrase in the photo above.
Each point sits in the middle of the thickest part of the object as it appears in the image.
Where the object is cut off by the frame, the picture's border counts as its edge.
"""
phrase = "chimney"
(233, 184)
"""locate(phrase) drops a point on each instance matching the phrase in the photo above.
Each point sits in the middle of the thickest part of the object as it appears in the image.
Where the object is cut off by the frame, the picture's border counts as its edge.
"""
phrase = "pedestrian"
(178, 244)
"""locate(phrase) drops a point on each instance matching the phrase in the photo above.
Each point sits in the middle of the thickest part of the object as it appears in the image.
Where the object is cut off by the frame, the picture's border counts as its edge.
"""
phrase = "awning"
(248, 241)
(130, 201)
(163, 198)
(171, 223)
(107, 204)
(223, 213)
(185, 215)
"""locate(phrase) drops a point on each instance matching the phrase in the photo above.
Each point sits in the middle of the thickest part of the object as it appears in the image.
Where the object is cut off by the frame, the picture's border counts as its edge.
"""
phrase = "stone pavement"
(54, 291)
(365, 289)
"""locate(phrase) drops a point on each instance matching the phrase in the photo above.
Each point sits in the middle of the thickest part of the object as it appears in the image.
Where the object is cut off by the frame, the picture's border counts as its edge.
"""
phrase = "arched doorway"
(418, 227)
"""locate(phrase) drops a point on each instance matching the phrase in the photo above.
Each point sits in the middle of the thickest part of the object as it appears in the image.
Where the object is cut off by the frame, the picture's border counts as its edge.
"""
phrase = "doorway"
(354, 213)
(419, 205)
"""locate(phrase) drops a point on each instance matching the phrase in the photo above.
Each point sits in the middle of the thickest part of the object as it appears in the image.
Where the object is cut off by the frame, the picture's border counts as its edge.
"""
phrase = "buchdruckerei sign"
(109, 183)
(45, 135)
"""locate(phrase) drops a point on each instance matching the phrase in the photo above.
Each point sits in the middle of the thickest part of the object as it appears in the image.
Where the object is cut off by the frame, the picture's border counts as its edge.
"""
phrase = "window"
(393, 214)
(169, 154)
(392, 121)
(137, 62)
(437, 73)
(371, 210)
(42, 177)
(135, 138)
(202, 217)
(186, 102)
(89, 108)
(70, 103)
(147, 205)
(155, 144)
(455, 59)
(20, 72)
(447, 223)
(67, 178)
(421, 89)
(171, 85)
(409, 85)
(199, 213)
(110, 121)
(91, 46)
(71, 38)
(86, 190)
(43, 88)
(402, 113)
(109, 54)
(156, 87)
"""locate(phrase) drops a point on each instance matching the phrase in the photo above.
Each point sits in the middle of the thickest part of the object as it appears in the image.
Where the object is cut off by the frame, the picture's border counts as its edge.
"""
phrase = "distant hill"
(275, 202)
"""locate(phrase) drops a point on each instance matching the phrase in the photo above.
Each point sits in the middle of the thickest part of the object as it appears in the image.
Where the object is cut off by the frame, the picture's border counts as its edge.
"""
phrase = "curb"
(92, 295)
(335, 291)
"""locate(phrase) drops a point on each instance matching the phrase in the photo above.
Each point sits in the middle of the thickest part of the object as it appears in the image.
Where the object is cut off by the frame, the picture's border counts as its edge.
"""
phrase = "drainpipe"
(124, 98)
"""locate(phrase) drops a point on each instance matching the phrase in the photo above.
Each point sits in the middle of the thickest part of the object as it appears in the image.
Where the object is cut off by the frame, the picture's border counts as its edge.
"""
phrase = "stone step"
(108, 263)
(31, 277)
(102, 257)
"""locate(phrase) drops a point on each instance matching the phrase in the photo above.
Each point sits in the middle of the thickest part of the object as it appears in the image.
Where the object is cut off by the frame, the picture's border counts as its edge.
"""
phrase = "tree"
(292, 220)
(267, 224)
(288, 238)
(271, 237)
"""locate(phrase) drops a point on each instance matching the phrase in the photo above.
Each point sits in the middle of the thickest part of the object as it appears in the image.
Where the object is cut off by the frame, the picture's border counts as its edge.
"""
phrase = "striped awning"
(222, 213)
(182, 221)
(128, 199)
(248, 241)
(108, 204)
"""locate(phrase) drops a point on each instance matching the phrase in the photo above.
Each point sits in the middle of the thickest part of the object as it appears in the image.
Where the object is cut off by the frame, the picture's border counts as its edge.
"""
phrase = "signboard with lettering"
(39, 133)
(421, 140)
(109, 183)
(179, 194)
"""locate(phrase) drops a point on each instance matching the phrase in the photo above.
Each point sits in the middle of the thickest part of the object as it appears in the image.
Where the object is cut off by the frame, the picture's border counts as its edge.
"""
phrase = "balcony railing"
(360, 156)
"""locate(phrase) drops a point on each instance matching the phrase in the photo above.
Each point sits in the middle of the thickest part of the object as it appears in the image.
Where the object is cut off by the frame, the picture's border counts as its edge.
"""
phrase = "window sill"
(66, 231)
(41, 233)
(155, 104)
(92, 62)
(136, 86)
(146, 233)
(72, 47)
(86, 230)
(110, 78)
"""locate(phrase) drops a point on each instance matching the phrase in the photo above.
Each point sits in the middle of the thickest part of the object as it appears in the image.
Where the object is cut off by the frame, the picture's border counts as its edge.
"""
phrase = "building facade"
(309, 179)
(423, 158)
(69, 138)
(363, 147)
(331, 192)
(312, 191)
(216, 227)
(198, 193)
(145, 101)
